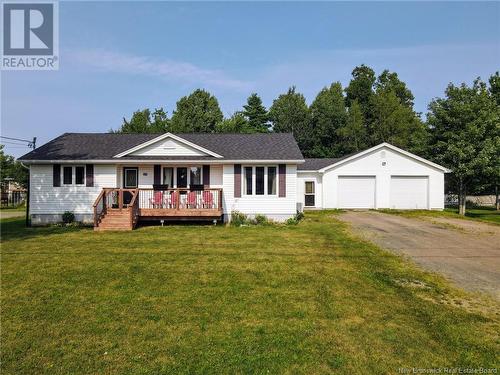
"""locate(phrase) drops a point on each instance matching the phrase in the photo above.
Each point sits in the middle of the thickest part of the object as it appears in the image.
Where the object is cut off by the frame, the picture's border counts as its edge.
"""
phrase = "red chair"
(157, 200)
(191, 199)
(174, 199)
(208, 199)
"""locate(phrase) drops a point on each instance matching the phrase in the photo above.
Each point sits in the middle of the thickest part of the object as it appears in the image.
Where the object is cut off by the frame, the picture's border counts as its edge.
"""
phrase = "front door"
(130, 181)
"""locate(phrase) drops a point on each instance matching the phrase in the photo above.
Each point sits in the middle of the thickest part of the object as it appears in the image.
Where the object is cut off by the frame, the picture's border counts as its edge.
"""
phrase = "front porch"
(122, 209)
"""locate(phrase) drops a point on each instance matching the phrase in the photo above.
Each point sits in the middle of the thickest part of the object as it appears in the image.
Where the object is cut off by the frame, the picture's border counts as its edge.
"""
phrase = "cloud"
(165, 69)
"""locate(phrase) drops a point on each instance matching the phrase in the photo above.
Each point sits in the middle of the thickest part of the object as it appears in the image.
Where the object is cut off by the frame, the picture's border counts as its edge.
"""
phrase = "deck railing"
(181, 199)
(177, 202)
(120, 199)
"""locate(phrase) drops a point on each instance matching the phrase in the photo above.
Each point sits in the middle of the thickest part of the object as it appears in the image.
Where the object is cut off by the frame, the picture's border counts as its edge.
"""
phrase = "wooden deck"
(122, 209)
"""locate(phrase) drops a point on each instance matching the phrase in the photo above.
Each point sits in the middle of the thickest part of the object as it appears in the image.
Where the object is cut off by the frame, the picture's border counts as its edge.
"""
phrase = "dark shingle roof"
(314, 164)
(103, 146)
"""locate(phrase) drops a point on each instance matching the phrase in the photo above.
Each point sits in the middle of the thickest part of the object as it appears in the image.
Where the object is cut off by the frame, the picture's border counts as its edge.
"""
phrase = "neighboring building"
(115, 180)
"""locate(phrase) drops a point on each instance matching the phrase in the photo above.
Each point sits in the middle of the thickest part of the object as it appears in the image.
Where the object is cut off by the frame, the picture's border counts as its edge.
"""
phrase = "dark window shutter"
(56, 175)
(237, 180)
(89, 175)
(206, 176)
(157, 174)
(282, 180)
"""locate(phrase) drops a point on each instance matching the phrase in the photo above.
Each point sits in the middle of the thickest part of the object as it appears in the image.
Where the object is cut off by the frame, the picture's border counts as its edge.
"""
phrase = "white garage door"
(356, 192)
(409, 192)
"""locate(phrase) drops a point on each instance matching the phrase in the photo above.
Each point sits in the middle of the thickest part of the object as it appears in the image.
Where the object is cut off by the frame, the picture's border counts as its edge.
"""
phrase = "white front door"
(356, 192)
(409, 192)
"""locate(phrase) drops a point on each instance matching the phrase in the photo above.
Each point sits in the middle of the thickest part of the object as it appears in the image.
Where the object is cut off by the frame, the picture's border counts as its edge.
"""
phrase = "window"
(79, 175)
(182, 177)
(259, 180)
(271, 180)
(309, 194)
(168, 177)
(130, 178)
(195, 175)
(247, 188)
(67, 175)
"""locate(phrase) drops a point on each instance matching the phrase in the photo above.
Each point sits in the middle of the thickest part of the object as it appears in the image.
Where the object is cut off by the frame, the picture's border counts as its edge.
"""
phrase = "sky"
(119, 57)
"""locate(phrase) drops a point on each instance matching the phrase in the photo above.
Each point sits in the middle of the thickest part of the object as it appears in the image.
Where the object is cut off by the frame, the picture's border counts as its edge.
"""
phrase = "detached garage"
(383, 176)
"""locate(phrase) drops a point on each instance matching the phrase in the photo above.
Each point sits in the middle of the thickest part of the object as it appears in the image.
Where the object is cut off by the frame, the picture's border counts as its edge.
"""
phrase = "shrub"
(296, 219)
(238, 219)
(68, 217)
(261, 219)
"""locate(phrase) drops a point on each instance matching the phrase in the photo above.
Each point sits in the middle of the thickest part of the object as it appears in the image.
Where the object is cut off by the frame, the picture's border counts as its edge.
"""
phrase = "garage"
(381, 177)
(356, 191)
(409, 192)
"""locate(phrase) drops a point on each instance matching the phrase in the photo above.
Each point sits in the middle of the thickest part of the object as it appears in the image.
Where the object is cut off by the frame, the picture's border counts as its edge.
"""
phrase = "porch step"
(114, 220)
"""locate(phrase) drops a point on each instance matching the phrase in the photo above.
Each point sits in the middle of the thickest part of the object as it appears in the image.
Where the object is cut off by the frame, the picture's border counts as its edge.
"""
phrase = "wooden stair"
(115, 220)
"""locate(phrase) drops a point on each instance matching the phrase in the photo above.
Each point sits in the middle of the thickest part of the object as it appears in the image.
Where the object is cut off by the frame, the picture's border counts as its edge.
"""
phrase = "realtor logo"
(30, 36)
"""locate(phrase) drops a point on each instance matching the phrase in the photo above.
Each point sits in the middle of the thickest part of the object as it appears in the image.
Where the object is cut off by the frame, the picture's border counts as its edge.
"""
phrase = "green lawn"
(305, 299)
(13, 208)
(484, 214)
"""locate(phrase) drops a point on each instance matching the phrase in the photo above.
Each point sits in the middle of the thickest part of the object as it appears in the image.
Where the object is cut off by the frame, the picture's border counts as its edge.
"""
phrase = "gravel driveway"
(466, 252)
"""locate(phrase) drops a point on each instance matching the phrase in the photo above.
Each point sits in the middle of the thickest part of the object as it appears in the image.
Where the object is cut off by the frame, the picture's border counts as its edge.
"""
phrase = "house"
(115, 180)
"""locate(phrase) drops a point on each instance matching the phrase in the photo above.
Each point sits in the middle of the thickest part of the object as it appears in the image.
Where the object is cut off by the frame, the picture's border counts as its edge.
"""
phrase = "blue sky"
(117, 57)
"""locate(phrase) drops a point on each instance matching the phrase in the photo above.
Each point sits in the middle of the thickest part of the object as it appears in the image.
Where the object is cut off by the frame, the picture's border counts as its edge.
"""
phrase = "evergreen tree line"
(461, 132)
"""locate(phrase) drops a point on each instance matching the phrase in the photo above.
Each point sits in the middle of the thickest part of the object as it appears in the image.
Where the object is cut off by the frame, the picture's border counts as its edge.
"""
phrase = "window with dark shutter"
(206, 176)
(67, 175)
(259, 180)
(89, 175)
(282, 180)
(79, 175)
(237, 180)
(56, 175)
(157, 174)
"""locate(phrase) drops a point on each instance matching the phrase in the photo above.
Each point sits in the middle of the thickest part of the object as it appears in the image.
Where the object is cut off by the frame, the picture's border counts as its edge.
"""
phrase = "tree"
(289, 113)
(328, 115)
(465, 129)
(494, 170)
(10, 168)
(353, 136)
(199, 112)
(396, 123)
(237, 123)
(388, 81)
(360, 88)
(145, 122)
(494, 89)
(256, 114)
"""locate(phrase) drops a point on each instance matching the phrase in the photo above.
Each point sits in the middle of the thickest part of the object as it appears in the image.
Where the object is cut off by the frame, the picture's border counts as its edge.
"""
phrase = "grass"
(304, 299)
(484, 214)
(13, 208)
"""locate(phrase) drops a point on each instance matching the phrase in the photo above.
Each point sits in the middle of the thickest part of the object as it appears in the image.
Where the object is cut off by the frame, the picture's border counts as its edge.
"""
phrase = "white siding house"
(213, 175)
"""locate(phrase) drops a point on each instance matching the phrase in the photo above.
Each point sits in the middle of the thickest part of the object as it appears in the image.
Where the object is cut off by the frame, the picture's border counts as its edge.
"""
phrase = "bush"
(68, 217)
(261, 219)
(296, 219)
(238, 219)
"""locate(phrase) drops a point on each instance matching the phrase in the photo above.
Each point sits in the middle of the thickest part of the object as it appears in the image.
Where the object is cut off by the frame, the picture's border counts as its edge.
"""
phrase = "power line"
(31, 144)
(14, 143)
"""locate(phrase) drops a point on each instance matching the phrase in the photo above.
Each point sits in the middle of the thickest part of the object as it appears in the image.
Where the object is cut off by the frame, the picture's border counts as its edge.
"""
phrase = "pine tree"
(256, 114)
